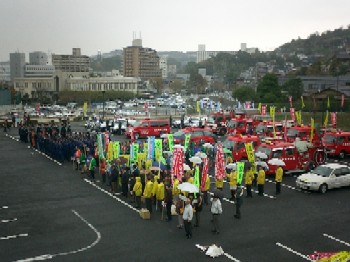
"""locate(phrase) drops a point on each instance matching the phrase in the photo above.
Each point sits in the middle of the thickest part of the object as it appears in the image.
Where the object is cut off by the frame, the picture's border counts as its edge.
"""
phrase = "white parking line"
(14, 236)
(225, 254)
(4, 207)
(111, 195)
(50, 256)
(288, 186)
(8, 220)
(293, 251)
(338, 240)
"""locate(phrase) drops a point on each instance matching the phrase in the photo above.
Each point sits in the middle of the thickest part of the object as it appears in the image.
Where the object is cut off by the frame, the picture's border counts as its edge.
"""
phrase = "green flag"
(171, 142)
(240, 172)
(158, 147)
(135, 152)
(187, 141)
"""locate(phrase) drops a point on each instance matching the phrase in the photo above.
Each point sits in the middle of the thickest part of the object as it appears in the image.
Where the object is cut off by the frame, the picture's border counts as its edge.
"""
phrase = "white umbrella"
(188, 187)
(263, 164)
(168, 152)
(232, 166)
(196, 159)
(261, 155)
(276, 162)
(178, 146)
(187, 167)
(207, 145)
(164, 136)
(201, 155)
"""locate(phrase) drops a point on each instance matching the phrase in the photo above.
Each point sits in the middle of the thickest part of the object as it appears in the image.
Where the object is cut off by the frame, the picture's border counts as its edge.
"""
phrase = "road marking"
(14, 236)
(111, 195)
(288, 186)
(293, 251)
(204, 249)
(224, 198)
(8, 220)
(338, 240)
(4, 207)
(50, 256)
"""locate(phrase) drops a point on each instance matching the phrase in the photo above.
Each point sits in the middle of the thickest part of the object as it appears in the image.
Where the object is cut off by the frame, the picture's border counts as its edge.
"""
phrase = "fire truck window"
(255, 144)
(240, 124)
(144, 124)
(240, 145)
(289, 151)
(341, 139)
(277, 154)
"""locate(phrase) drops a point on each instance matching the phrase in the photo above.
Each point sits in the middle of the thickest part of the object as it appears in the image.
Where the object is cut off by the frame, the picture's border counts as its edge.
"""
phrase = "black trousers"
(238, 208)
(188, 228)
(148, 201)
(249, 190)
(261, 189)
(278, 188)
(168, 210)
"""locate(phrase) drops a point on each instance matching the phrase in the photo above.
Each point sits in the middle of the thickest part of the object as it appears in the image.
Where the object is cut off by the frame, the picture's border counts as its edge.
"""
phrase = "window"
(341, 139)
(290, 151)
(337, 172)
(277, 154)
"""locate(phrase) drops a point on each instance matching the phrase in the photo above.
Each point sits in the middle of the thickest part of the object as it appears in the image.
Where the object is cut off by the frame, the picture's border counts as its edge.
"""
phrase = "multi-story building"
(35, 87)
(39, 70)
(5, 75)
(17, 63)
(163, 65)
(203, 55)
(140, 61)
(38, 58)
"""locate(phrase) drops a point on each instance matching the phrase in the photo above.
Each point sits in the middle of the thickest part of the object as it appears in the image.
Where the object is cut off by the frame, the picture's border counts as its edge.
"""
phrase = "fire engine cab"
(337, 144)
(217, 122)
(297, 158)
(237, 145)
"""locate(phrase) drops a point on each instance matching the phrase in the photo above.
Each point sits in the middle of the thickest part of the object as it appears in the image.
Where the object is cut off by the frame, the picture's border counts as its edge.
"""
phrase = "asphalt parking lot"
(48, 211)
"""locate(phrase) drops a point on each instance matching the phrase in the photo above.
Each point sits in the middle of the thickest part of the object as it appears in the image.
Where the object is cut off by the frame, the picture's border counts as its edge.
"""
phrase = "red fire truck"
(295, 159)
(304, 133)
(337, 144)
(237, 145)
(217, 122)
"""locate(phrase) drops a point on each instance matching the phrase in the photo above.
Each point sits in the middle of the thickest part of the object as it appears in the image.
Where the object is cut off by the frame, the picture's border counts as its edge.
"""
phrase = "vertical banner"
(150, 144)
(285, 131)
(334, 119)
(220, 162)
(290, 101)
(146, 107)
(302, 102)
(196, 176)
(100, 146)
(259, 107)
(250, 153)
(298, 117)
(141, 158)
(85, 109)
(158, 146)
(328, 103)
(131, 155)
(292, 113)
(110, 151)
(116, 149)
(325, 123)
(263, 110)
(272, 112)
(312, 129)
(342, 101)
(204, 173)
(145, 148)
(240, 172)
(171, 142)
(187, 141)
(198, 108)
(135, 152)
(37, 107)
(106, 141)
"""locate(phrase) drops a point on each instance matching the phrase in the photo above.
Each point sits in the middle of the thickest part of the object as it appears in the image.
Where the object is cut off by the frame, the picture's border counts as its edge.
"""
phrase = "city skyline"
(57, 26)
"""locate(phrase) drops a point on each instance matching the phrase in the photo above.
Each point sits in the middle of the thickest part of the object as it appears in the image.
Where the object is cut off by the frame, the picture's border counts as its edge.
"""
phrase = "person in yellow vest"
(175, 190)
(160, 193)
(219, 183)
(206, 189)
(278, 179)
(138, 192)
(147, 193)
(233, 183)
(249, 176)
(261, 181)
(155, 189)
(190, 179)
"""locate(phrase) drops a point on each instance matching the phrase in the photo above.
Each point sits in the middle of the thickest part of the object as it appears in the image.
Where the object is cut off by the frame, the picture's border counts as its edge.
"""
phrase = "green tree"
(294, 87)
(197, 83)
(244, 93)
(176, 85)
(268, 88)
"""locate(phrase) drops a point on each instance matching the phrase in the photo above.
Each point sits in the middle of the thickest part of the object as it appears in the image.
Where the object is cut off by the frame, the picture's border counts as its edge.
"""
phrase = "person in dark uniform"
(125, 180)
(239, 200)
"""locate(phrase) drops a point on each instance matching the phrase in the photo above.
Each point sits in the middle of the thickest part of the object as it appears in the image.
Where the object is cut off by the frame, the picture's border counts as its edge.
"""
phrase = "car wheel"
(136, 136)
(323, 188)
(342, 155)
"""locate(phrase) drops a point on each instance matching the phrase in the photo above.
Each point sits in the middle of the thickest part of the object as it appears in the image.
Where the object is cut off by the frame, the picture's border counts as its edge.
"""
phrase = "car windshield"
(260, 128)
(292, 132)
(179, 134)
(329, 138)
(265, 150)
(324, 171)
(232, 124)
(136, 123)
(229, 144)
(210, 120)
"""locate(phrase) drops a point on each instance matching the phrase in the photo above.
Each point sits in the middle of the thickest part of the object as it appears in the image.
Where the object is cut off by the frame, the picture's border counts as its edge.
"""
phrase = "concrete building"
(17, 63)
(35, 86)
(38, 58)
(203, 55)
(5, 74)
(163, 65)
(114, 83)
(140, 61)
(39, 70)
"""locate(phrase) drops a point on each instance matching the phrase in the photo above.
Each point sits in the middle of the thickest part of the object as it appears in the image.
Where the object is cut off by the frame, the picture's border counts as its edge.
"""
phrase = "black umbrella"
(218, 193)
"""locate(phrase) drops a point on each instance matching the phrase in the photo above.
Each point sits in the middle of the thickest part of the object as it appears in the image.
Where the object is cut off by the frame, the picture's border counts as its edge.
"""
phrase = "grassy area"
(343, 119)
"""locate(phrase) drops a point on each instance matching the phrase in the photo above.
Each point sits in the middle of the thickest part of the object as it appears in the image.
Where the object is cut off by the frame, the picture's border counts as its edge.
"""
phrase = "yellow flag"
(298, 117)
(325, 123)
(312, 129)
(328, 103)
(198, 107)
(85, 108)
(259, 107)
(302, 102)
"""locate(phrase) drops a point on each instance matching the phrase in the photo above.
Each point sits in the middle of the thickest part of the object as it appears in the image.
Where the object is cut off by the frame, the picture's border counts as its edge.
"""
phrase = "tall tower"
(17, 63)
(38, 58)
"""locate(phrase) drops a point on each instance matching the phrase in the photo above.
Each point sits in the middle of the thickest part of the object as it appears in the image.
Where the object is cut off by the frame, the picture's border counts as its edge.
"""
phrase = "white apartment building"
(163, 65)
(35, 85)
(203, 55)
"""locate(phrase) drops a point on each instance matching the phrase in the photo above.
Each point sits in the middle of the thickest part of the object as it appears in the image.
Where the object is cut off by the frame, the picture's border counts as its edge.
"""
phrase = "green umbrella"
(227, 151)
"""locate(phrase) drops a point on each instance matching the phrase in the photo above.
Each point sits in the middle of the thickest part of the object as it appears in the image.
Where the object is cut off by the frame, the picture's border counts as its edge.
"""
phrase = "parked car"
(325, 177)
(148, 127)
(198, 135)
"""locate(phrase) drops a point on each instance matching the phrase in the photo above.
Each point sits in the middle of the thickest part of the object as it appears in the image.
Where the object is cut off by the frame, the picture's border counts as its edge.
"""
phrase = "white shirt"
(216, 207)
(188, 213)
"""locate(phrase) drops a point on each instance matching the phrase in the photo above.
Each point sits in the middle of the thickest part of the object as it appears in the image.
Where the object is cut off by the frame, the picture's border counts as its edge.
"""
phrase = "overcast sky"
(59, 25)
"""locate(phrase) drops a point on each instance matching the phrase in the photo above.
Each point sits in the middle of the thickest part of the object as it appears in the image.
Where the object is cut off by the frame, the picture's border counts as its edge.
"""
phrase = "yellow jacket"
(176, 191)
(261, 177)
(219, 183)
(160, 191)
(155, 186)
(249, 176)
(190, 180)
(279, 174)
(207, 183)
(233, 178)
(148, 189)
(137, 187)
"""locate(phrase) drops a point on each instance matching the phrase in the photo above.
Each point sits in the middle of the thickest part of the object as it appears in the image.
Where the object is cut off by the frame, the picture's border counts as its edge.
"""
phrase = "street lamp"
(103, 105)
